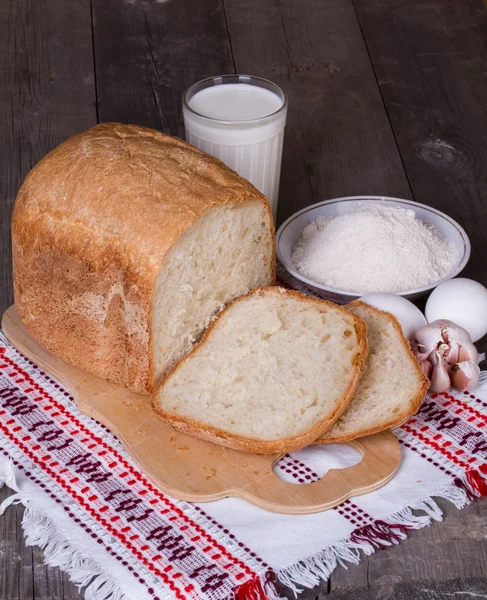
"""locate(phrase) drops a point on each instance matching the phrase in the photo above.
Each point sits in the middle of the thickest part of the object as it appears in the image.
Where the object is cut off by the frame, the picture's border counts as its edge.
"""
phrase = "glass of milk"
(240, 119)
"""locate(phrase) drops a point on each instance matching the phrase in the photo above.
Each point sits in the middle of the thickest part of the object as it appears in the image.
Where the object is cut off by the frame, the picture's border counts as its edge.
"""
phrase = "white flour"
(377, 248)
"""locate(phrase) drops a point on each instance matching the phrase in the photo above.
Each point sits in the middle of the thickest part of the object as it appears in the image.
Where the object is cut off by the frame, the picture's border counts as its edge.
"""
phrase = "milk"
(235, 102)
(242, 125)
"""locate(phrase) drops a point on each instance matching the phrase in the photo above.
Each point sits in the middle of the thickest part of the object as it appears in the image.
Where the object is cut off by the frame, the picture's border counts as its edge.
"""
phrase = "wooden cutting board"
(190, 469)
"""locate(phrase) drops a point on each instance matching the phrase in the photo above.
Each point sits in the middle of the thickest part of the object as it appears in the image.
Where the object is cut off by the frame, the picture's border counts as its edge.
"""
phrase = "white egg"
(463, 301)
(409, 316)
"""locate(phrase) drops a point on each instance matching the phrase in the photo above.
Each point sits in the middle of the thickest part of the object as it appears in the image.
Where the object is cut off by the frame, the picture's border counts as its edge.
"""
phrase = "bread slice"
(392, 385)
(271, 374)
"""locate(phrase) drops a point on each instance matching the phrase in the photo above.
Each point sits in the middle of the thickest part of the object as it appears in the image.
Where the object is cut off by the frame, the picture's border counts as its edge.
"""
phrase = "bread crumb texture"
(391, 386)
(273, 367)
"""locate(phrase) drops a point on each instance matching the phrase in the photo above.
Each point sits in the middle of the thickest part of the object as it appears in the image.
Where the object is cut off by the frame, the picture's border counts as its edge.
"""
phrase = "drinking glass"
(240, 119)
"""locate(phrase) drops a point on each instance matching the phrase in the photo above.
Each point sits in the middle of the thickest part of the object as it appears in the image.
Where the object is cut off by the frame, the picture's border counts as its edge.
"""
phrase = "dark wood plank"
(160, 48)
(453, 549)
(48, 93)
(46, 70)
(448, 550)
(352, 577)
(430, 59)
(50, 583)
(23, 574)
(338, 139)
(16, 580)
(471, 588)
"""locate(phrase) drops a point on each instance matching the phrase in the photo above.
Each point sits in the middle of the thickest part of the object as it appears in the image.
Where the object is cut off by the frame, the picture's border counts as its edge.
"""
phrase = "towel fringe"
(258, 588)
(380, 534)
(40, 530)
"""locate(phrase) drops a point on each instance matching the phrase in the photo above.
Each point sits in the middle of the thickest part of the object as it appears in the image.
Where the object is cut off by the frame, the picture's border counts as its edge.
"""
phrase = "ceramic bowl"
(289, 233)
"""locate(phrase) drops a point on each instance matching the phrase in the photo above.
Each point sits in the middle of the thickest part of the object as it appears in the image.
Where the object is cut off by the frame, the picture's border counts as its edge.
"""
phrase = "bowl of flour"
(344, 248)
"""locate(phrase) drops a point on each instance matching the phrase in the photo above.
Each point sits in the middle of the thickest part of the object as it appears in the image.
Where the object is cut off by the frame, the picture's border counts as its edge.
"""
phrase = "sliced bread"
(271, 374)
(391, 386)
(126, 243)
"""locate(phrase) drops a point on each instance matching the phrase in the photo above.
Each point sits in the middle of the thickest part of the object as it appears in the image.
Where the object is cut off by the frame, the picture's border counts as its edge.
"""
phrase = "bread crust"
(237, 442)
(416, 400)
(91, 227)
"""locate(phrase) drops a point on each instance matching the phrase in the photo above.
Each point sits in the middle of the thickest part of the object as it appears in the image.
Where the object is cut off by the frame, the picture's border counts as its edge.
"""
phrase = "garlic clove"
(467, 351)
(452, 332)
(440, 379)
(433, 358)
(451, 352)
(427, 367)
(426, 340)
(465, 375)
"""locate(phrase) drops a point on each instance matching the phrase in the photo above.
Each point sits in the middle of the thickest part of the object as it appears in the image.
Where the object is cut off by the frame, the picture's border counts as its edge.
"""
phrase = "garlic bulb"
(447, 356)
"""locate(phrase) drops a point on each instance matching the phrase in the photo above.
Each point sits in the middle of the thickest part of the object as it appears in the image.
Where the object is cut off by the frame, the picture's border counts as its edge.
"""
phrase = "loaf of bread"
(392, 385)
(272, 373)
(127, 243)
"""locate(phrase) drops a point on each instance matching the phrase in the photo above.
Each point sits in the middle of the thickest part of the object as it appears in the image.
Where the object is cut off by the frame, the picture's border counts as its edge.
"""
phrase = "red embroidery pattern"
(81, 524)
(171, 543)
(454, 429)
(158, 533)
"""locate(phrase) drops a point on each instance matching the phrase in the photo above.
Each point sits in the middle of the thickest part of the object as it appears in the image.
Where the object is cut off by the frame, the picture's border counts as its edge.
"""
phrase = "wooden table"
(385, 97)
